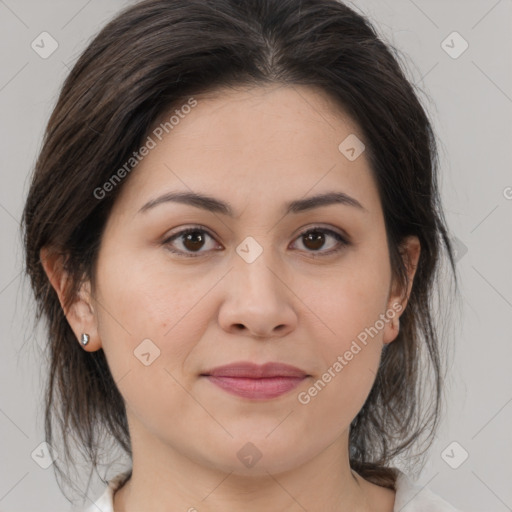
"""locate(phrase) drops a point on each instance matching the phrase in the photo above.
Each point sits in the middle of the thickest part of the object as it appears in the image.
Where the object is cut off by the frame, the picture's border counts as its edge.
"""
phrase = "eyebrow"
(214, 205)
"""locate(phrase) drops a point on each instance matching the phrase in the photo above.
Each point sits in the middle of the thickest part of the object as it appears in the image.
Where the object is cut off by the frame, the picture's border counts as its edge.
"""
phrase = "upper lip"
(255, 371)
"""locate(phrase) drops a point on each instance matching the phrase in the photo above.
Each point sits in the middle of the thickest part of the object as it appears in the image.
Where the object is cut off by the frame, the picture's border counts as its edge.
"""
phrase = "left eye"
(193, 240)
(314, 239)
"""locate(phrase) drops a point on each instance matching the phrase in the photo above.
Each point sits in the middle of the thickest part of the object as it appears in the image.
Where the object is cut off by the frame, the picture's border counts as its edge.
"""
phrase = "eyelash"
(343, 242)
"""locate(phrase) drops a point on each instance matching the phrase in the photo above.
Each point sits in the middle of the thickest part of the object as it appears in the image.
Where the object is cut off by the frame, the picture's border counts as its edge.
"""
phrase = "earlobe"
(78, 310)
(393, 326)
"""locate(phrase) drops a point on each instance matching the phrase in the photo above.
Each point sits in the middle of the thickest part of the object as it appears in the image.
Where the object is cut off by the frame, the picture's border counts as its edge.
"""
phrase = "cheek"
(148, 326)
(144, 295)
(348, 359)
(350, 303)
(144, 309)
(350, 307)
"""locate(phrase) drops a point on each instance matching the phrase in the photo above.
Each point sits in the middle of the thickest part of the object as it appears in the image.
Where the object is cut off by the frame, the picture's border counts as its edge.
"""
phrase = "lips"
(255, 371)
(249, 380)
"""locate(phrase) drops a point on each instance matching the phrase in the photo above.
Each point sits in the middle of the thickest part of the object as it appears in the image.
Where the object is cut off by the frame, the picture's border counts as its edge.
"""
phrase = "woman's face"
(255, 281)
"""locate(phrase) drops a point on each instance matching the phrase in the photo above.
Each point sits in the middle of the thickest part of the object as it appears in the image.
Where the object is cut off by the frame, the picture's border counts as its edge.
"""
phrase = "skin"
(255, 148)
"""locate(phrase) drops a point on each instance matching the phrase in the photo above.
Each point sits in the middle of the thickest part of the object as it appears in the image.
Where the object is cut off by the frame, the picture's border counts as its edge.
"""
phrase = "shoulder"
(412, 497)
(105, 503)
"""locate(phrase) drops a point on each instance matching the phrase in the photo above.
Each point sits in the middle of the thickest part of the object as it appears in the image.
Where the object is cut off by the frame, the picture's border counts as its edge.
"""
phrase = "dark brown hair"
(150, 59)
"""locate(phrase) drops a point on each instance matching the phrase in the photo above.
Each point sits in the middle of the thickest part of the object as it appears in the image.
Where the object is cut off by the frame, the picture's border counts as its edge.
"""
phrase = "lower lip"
(263, 388)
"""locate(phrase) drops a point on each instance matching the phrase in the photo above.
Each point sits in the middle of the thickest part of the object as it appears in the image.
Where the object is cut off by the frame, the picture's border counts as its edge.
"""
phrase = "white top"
(410, 497)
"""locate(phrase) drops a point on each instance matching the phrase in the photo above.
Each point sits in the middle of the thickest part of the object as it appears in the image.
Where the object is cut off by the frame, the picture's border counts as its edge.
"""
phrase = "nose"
(258, 302)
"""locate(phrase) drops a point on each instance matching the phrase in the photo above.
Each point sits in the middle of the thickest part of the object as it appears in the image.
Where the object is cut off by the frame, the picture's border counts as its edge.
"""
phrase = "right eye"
(192, 240)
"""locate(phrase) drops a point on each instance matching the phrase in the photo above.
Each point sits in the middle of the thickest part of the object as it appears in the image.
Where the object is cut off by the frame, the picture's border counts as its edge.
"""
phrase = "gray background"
(470, 101)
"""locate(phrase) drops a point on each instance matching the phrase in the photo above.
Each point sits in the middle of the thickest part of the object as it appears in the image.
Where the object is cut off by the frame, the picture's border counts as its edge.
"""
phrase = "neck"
(166, 480)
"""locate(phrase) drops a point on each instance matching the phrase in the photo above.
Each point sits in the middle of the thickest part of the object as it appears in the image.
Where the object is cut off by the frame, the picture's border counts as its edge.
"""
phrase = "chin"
(258, 455)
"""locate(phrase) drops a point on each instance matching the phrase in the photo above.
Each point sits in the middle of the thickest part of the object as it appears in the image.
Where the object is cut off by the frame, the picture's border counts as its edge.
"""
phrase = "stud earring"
(85, 339)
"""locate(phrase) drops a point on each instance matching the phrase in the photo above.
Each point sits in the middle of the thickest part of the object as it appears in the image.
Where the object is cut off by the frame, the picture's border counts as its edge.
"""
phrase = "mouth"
(252, 381)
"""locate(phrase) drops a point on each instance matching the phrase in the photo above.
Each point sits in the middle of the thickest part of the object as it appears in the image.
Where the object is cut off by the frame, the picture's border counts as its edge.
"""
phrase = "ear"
(79, 311)
(410, 251)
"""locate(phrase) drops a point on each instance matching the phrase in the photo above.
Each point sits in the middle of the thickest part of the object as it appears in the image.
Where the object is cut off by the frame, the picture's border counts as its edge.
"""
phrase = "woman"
(234, 232)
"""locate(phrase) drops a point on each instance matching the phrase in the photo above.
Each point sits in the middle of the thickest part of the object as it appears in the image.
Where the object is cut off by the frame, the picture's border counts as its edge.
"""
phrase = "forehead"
(260, 144)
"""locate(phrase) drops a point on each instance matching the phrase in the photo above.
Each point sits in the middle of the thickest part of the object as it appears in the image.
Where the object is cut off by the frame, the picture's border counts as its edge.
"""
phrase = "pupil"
(193, 240)
(316, 238)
